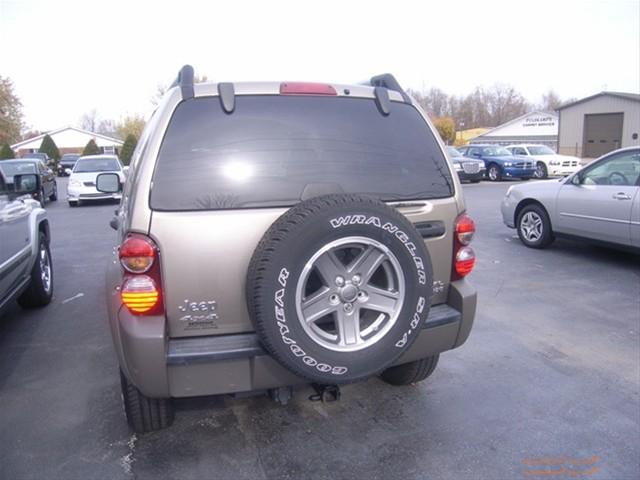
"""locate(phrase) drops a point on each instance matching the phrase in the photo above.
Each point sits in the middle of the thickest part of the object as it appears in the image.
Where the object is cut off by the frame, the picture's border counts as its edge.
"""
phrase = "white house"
(69, 140)
(536, 127)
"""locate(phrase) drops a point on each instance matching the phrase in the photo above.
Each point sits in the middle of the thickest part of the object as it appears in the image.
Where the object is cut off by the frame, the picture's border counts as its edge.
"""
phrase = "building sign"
(540, 121)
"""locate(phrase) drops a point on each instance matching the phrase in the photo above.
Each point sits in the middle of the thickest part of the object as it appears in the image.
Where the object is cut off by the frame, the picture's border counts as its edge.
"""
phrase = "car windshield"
(17, 168)
(454, 152)
(540, 150)
(69, 159)
(495, 151)
(96, 165)
(275, 150)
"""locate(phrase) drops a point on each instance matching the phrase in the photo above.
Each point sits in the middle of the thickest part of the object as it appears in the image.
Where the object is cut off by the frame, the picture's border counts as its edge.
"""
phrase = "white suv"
(548, 162)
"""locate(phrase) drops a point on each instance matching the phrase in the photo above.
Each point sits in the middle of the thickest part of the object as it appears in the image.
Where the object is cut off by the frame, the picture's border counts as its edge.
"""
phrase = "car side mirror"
(67, 171)
(475, 154)
(576, 180)
(125, 170)
(26, 183)
(108, 183)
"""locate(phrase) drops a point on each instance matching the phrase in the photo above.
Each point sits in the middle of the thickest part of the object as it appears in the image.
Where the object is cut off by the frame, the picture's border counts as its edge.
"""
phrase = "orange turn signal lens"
(140, 294)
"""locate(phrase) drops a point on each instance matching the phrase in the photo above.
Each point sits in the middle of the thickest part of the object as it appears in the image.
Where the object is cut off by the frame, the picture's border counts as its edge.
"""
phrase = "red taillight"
(137, 253)
(465, 228)
(464, 257)
(298, 88)
(141, 290)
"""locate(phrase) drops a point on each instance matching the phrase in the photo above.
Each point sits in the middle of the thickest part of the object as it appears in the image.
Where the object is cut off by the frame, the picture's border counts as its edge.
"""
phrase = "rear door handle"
(622, 196)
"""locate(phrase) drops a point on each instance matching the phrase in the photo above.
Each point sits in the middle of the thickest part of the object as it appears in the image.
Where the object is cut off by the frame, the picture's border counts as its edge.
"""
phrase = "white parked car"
(600, 203)
(82, 181)
(548, 162)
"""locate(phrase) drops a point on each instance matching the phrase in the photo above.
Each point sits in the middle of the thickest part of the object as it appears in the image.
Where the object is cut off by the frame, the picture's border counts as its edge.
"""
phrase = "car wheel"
(54, 194)
(534, 227)
(40, 289)
(412, 372)
(339, 287)
(493, 173)
(144, 414)
(541, 170)
(73, 204)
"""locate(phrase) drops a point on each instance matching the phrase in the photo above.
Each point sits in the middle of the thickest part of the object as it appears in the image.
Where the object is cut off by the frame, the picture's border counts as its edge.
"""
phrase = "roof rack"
(389, 82)
(185, 81)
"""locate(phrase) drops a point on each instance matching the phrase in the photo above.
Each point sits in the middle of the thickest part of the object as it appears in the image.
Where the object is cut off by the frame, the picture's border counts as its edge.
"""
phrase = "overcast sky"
(68, 57)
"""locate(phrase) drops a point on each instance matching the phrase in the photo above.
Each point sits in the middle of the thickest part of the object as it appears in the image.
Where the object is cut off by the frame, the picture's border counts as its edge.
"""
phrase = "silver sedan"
(600, 202)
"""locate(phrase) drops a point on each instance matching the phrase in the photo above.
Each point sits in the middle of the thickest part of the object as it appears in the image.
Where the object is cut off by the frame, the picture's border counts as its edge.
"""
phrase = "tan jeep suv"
(276, 234)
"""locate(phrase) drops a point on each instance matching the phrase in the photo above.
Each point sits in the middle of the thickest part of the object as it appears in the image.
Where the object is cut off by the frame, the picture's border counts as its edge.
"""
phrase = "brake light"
(464, 258)
(140, 293)
(298, 88)
(465, 261)
(141, 290)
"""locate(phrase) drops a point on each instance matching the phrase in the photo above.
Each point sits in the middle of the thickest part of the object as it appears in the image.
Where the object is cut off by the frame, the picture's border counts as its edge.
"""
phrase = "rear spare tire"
(339, 287)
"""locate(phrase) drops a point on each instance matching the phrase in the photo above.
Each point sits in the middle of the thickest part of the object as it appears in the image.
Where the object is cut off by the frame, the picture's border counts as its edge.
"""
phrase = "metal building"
(535, 127)
(598, 124)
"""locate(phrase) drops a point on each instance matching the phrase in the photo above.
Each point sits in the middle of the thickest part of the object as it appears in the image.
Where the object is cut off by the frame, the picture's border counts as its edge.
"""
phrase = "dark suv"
(275, 234)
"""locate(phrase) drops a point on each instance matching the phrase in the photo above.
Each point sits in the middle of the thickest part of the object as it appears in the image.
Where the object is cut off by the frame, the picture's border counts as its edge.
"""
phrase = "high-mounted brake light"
(299, 88)
(141, 289)
(464, 257)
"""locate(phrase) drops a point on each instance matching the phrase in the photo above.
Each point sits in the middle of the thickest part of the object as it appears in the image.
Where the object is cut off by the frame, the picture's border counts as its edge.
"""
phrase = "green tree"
(49, 147)
(91, 148)
(446, 128)
(127, 149)
(10, 112)
(6, 152)
(130, 125)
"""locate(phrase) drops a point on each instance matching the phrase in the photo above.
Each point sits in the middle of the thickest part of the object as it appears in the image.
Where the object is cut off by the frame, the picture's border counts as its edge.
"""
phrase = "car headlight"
(457, 166)
(75, 183)
(507, 164)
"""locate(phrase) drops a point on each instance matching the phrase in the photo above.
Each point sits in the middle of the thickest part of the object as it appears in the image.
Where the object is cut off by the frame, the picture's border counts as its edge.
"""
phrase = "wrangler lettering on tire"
(339, 287)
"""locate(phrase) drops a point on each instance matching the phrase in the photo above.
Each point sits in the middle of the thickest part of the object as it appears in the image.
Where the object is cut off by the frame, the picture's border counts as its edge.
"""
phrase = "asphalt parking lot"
(549, 379)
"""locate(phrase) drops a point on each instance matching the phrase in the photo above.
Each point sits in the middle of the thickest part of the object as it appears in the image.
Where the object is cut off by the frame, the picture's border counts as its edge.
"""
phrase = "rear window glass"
(275, 150)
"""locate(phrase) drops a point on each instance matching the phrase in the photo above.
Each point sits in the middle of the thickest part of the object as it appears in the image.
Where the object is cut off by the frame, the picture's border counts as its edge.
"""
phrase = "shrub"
(6, 152)
(91, 148)
(127, 149)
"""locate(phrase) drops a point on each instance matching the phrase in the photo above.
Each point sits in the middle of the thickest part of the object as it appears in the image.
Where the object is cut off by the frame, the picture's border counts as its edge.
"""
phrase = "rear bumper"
(185, 367)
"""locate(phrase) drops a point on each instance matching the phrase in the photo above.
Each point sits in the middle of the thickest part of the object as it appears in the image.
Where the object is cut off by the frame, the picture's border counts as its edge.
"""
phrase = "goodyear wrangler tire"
(339, 287)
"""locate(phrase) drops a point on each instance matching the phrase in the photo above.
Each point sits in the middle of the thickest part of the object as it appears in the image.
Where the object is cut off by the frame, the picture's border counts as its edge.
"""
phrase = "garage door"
(602, 133)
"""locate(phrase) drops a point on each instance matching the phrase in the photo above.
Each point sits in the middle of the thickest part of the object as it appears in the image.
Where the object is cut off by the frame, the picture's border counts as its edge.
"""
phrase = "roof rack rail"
(389, 82)
(185, 81)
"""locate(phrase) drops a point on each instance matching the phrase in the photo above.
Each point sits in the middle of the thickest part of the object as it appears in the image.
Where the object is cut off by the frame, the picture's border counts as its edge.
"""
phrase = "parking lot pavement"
(549, 379)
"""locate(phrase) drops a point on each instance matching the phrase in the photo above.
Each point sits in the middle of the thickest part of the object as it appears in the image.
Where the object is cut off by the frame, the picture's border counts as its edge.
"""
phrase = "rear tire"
(73, 204)
(412, 372)
(145, 414)
(40, 289)
(54, 194)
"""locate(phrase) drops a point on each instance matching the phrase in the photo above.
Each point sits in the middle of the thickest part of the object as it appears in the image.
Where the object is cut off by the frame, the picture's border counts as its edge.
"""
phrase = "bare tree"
(89, 120)
(550, 101)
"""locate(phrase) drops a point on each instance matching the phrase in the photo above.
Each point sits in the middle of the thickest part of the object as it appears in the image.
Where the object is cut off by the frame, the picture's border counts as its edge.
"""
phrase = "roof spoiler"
(389, 82)
(185, 82)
